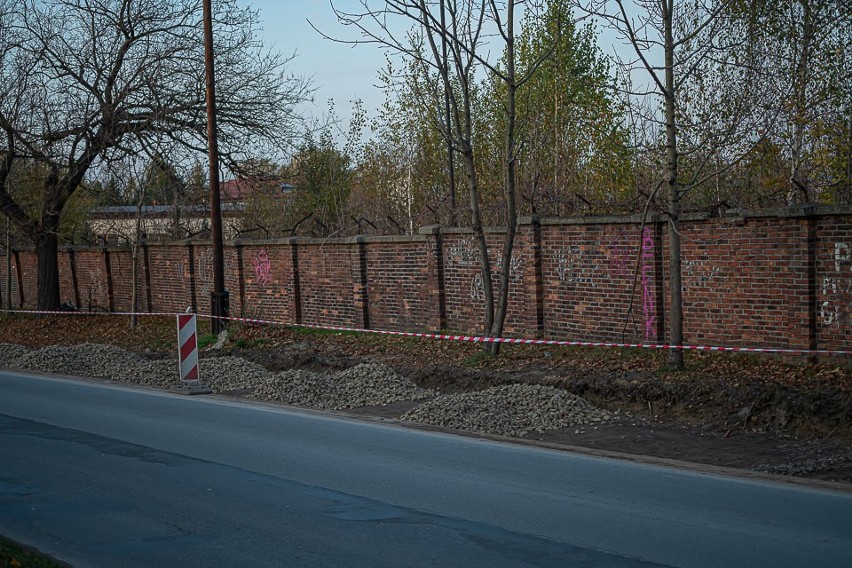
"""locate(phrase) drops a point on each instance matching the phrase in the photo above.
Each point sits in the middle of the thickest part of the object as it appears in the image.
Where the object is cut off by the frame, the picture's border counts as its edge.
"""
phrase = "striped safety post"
(187, 349)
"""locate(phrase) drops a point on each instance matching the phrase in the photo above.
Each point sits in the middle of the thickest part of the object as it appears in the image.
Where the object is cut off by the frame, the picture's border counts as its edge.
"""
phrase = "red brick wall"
(399, 293)
(268, 283)
(593, 287)
(121, 271)
(745, 284)
(170, 277)
(91, 280)
(834, 282)
(763, 280)
(15, 290)
(325, 276)
(463, 280)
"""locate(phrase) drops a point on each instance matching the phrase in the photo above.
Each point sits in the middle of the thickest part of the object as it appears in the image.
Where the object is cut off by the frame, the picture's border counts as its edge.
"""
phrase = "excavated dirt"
(749, 413)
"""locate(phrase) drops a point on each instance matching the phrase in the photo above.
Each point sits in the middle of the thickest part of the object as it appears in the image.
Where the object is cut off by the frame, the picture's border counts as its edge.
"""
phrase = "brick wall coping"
(803, 210)
(591, 220)
(807, 210)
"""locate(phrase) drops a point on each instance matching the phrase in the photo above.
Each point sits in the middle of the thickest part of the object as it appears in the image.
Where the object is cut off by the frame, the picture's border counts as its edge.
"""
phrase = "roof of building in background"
(124, 211)
(240, 188)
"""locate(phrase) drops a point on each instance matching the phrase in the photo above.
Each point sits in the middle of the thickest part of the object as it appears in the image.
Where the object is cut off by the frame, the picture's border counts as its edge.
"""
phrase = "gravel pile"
(162, 373)
(84, 360)
(509, 410)
(368, 384)
(10, 353)
(231, 373)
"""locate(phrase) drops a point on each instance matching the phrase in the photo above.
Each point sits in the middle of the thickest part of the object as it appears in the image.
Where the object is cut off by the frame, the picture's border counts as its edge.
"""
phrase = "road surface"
(105, 475)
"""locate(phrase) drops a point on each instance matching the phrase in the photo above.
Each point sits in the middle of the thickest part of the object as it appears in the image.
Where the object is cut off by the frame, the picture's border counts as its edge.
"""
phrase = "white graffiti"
(699, 274)
(516, 266)
(568, 269)
(463, 253)
(570, 266)
(477, 290)
(836, 290)
(842, 255)
(204, 270)
(262, 268)
(516, 272)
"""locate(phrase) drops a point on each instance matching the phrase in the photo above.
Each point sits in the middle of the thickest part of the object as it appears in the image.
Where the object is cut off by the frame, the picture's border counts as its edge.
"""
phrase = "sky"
(340, 72)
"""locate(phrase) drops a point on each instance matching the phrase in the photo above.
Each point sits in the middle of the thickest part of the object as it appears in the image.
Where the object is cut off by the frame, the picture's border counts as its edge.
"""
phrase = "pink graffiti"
(647, 284)
(262, 268)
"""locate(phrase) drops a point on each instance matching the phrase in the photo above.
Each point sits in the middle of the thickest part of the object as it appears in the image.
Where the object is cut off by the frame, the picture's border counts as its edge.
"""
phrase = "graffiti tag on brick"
(262, 268)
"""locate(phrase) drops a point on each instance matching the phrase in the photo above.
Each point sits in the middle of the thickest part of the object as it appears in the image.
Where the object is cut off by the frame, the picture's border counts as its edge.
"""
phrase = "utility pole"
(219, 296)
(8, 265)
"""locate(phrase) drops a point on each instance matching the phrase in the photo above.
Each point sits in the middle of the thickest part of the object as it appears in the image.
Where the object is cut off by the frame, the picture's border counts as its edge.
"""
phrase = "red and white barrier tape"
(481, 339)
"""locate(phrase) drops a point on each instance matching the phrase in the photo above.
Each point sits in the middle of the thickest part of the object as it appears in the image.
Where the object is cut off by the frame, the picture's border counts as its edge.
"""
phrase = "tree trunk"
(451, 174)
(799, 190)
(47, 251)
(848, 182)
(508, 185)
(675, 282)
(482, 244)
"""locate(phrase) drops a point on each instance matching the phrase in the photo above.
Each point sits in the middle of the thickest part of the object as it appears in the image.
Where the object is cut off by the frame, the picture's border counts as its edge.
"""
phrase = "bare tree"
(95, 80)
(688, 50)
(449, 40)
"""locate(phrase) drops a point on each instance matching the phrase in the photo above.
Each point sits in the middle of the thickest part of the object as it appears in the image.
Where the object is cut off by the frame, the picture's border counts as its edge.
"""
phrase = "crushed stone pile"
(367, 384)
(509, 410)
(224, 374)
(10, 353)
(84, 360)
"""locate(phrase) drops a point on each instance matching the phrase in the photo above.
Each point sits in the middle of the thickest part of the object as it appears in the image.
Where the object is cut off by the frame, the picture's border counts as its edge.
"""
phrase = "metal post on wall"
(219, 296)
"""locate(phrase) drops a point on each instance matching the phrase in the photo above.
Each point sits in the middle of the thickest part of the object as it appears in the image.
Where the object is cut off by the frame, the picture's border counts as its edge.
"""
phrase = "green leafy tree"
(573, 152)
(323, 176)
(403, 182)
(809, 44)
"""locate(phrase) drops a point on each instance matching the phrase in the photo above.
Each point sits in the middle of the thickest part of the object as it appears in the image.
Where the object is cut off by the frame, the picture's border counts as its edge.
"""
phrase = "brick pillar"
(241, 280)
(110, 292)
(360, 289)
(146, 270)
(437, 319)
(296, 285)
(659, 278)
(802, 282)
(811, 231)
(17, 257)
(529, 232)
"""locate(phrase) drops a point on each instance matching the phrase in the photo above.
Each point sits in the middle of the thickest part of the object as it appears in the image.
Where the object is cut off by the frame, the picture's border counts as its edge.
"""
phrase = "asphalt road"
(102, 475)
